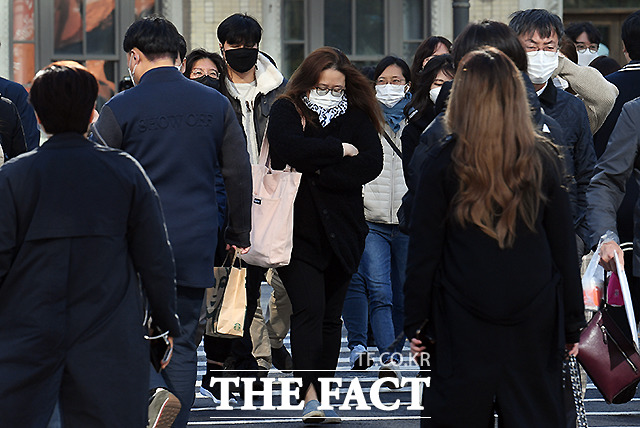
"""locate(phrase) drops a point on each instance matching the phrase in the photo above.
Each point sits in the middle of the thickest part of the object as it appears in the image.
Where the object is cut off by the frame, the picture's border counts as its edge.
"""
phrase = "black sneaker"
(281, 359)
(163, 408)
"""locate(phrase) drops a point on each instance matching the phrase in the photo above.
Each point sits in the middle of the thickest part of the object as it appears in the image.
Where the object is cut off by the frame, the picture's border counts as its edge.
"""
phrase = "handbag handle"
(236, 254)
(265, 158)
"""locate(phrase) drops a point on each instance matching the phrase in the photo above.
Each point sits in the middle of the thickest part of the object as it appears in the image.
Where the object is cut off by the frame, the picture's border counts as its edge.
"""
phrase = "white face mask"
(585, 59)
(541, 66)
(132, 72)
(433, 94)
(389, 94)
(326, 101)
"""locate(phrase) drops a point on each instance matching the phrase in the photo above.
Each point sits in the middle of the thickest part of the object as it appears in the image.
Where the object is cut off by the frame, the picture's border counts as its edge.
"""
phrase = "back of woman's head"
(490, 33)
(63, 96)
(425, 50)
(358, 88)
(496, 157)
(420, 101)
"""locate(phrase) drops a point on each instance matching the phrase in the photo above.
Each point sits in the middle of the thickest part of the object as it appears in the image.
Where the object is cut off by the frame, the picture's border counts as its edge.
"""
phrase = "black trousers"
(317, 297)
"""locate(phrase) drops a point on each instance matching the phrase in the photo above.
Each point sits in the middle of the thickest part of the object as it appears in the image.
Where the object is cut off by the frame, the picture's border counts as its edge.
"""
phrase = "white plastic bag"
(593, 283)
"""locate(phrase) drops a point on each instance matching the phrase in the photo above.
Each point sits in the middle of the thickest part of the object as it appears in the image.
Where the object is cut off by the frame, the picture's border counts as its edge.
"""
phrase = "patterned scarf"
(326, 116)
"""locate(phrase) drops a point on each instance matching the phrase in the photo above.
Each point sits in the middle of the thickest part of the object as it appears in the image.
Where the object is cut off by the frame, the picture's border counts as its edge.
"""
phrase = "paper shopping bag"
(226, 301)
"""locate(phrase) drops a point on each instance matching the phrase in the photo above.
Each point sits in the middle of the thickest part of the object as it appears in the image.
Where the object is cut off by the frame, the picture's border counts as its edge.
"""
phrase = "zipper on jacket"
(393, 181)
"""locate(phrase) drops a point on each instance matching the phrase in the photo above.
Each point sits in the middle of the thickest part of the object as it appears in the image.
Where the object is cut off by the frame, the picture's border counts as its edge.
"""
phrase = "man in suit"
(81, 230)
(180, 131)
(627, 79)
(539, 32)
(628, 82)
(618, 166)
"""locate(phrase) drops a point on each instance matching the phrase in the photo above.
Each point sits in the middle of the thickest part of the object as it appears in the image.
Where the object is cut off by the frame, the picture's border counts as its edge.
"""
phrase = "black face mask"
(242, 59)
(209, 81)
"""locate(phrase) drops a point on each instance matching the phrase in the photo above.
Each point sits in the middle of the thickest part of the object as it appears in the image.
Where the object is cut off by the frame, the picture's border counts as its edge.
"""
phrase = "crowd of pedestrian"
(449, 203)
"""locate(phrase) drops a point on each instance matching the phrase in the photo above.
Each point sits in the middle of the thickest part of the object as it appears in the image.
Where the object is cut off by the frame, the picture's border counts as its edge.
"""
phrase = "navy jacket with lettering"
(180, 130)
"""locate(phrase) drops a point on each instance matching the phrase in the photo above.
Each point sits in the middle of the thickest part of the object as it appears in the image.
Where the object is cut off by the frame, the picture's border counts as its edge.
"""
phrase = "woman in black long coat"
(337, 150)
(492, 259)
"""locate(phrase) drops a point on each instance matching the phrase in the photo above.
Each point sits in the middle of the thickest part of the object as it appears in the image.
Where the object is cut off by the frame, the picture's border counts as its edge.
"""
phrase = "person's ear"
(135, 56)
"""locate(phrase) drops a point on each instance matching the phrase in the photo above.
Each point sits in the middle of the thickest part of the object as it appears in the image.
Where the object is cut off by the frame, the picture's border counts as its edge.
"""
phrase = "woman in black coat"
(492, 259)
(326, 127)
(421, 109)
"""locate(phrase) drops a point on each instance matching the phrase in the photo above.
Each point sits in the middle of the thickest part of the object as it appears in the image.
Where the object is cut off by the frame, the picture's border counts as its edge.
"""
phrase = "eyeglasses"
(548, 51)
(336, 92)
(396, 81)
(196, 73)
(583, 49)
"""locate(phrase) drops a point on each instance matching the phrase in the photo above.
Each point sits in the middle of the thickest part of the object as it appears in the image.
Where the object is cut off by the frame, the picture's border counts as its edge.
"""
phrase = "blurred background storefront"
(38, 32)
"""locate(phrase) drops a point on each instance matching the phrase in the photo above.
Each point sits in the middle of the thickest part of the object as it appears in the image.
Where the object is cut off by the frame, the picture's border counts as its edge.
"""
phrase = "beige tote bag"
(274, 193)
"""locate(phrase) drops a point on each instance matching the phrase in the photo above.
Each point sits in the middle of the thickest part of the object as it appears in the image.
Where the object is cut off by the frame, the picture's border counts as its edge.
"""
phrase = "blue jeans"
(180, 375)
(375, 291)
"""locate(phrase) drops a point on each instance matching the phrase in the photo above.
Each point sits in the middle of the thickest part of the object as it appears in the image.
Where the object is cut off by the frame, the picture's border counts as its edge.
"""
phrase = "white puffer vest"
(383, 196)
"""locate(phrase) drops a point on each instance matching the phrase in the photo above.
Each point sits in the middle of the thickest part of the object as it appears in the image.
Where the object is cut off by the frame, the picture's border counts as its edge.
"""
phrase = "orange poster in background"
(23, 28)
(24, 64)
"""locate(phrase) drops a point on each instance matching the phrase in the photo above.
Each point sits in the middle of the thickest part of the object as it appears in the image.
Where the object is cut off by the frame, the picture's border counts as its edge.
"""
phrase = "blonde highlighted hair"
(498, 156)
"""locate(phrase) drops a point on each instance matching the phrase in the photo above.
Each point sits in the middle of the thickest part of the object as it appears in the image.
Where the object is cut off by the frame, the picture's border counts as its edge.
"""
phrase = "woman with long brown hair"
(492, 259)
(326, 127)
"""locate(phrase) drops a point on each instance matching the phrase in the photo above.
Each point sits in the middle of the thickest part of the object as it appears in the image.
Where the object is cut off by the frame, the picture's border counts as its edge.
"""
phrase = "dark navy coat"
(180, 131)
(78, 223)
(19, 96)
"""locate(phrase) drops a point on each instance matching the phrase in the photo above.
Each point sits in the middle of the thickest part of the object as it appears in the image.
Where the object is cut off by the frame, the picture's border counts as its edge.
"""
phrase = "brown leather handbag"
(609, 358)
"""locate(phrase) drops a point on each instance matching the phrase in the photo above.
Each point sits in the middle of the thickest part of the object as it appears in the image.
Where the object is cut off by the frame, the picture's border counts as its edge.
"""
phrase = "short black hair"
(631, 35)
(525, 22)
(198, 54)
(392, 60)
(574, 31)
(240, 29)
(64, 95)
(155, 36)
(489, 33)
(182, 47)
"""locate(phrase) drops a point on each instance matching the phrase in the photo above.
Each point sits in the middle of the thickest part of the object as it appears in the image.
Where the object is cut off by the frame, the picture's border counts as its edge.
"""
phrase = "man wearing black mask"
(252, 83)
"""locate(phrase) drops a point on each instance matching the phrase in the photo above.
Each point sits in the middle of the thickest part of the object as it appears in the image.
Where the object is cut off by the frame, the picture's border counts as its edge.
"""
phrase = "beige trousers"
(270, 333)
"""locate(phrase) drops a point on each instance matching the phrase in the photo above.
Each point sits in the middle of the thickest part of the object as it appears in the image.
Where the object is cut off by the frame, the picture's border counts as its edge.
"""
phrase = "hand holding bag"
(607, 355)
(227, 301)
(274, 193)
